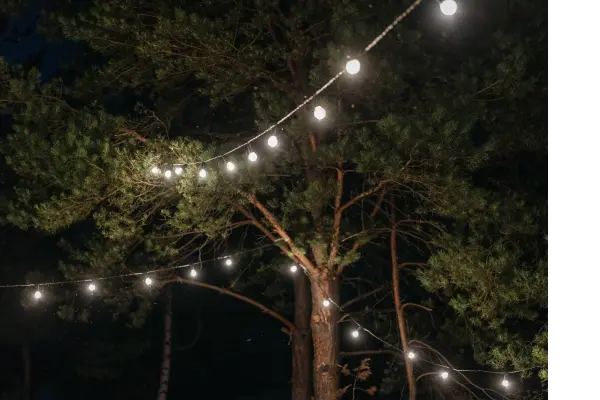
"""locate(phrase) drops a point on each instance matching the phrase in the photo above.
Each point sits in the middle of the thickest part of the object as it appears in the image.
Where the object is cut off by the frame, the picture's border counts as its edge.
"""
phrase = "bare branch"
(363, 296)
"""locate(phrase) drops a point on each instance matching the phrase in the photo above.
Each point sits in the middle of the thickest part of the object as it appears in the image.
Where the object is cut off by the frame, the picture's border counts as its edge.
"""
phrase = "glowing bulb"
(230, 166)
(168, 174)
(193, 273)
(229, 262)
(37, 295)
(92, 287)
(411, 355)
(355, 333)
(148, 281)
(202, 173)
(320, 113)
(252, 157)
(272, 142)
(505, 383)
(155, 170)
(293, 268)
(448, 7)
(325, 303)
(353, 66)
(178, 170)
(444, 375)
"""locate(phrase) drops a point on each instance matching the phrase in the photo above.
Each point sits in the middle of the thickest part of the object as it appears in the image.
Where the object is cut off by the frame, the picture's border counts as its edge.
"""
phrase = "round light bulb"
(505, 383)
(148, 281)
(92, 287)
(202, 173)
(353, 66)
(252, 157)
(229, 262)
(355, 333)
(193, 273)
(326, 303)
(444, 375)
(230, 166)
(37, 294)
(272, 142)
(320, 113)
(178, 170)
(155, 170)
(293, 268)
(168, 174)
(411, 355)
(448, 7)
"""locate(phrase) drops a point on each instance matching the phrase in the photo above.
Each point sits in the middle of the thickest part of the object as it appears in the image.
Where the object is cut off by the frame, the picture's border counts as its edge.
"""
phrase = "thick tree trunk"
(325, 337)
(165, 371)
(410, 376)
(26, 358)
(301, 357)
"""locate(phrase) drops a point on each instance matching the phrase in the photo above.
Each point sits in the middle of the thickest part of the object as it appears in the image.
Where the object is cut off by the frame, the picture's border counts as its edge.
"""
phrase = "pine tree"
(409, 128)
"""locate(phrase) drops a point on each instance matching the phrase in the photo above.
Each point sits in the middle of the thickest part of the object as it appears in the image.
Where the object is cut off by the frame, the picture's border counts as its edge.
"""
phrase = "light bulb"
(193, 273)
(252, 157)
(168, 174)
(37, 295)
(320, 113)
(178, 170)
(148, 281)
(230, 166)
(448, 7)
(411, 355)
(92, 287)
(505, 383)
(355, 333)
(228, 262)
(155, 170)
(202, 173)
(293, 268)
(353, 66)
(444, 375)
(325, 303)
(272, 142)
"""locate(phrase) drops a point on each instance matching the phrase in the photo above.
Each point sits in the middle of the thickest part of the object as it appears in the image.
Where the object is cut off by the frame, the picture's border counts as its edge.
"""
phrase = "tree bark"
(412, 387)
(26, 358)
(325, 336)
(301, 357)
(165, 371)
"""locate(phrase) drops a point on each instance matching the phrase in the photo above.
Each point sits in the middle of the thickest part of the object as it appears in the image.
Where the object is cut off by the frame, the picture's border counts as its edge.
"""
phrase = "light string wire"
(373, 43)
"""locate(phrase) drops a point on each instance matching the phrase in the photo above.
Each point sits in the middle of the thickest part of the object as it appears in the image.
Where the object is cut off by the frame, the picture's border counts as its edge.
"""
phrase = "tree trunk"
(301, 379)
(165, 371)
(325, 337)
(26, 358)
(412, 387)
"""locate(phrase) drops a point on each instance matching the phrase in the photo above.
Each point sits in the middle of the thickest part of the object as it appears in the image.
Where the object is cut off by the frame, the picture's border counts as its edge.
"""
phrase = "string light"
(448, 7)
(92, 287)
(202, 173)
(353, 67)
(148, 281)
(37, 295)
(320, 113)
(229, 262)
(155, 170)
(272, 141)
(252, 156)
(230, 166)
(444, 375)
(293, 269)
(193, 273)
(178, 170)
(168, 174)
(326, 303)
(355, 333)
(505, 382)
(411, 355)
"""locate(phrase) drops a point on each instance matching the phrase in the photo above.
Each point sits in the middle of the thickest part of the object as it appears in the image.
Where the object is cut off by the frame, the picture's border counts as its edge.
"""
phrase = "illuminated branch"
(289, 325)
(337, 218)
(285, 250)
(364, 194)
(362, 296)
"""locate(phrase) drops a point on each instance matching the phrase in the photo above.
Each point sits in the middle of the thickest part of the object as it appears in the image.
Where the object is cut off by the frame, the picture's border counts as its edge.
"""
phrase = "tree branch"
(337, 217)
(362, 296)
(416, 305)
(289, 325)
(281, 232)
(367, 193)
(367, 353)
(285, 250)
